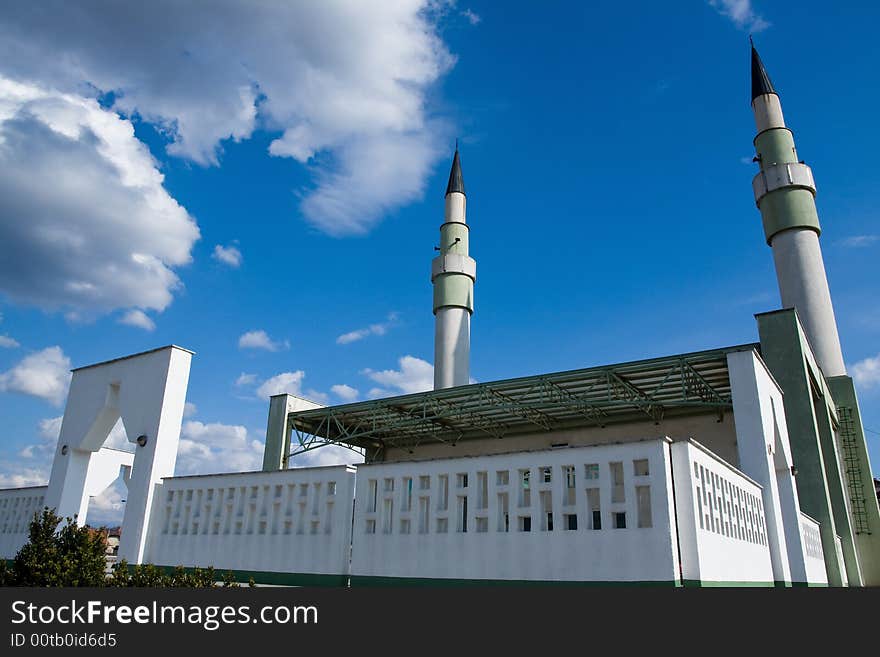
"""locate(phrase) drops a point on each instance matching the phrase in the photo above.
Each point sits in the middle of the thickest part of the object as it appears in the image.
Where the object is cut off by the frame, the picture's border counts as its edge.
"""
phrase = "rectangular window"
(570, 521)
(425, 482)
(482, 525)
(503, 513)
(569, 476)
(619, 520)
(404, 526)
(389, 484)
(424, 505)
(643, 501)
(525, 494)
(303, 490)
(369, 529)
(406, 494)
(387, 517)
(442, 525)
(443, 497)
(502, 478)
(594, 508)
(371, 496)
(482, 490)
(331, 489)
(461, 480)
(546, 511)
(547, 474)
(640, 467)
(462, 513)
(525, 523)
(617, 492)
(591, 471)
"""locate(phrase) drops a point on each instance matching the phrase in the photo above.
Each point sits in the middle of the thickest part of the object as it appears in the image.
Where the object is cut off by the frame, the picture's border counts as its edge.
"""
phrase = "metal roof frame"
(687, 384)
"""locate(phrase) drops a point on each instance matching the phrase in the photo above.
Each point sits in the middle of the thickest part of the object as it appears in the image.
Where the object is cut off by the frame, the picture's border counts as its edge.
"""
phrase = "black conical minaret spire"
(760, 80)
(456, 180)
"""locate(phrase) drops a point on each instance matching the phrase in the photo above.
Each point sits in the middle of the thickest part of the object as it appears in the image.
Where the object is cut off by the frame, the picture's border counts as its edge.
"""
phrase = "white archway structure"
(146, 390)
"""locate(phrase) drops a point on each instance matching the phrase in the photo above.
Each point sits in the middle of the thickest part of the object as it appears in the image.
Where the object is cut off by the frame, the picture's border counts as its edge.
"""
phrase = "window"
(482, 525)
(503, 513)
(546, 511)
(482, 490)
(303, 490)
(591, 471)
(406, 494)
(546, 474)
(462, 513)
(570, 521)
(443, 497)
(389, 484)
(371, 497)
(643, 501)
(442, 525)
(369, 529)
(617, 492)
(619, 520)
(525, 523)
(502, 478)
(423, 515)
(424, 482)
(461, 480)
(640, 467)
(525, 498)
(331, 489)
(404, 526)
(595, 513)
(569, 476)
(387, 517)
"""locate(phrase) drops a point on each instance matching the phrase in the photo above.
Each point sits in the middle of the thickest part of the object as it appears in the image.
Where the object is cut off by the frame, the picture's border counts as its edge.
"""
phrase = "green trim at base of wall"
(701, 584)
(808, 585)
(367, 580)
(276, 578)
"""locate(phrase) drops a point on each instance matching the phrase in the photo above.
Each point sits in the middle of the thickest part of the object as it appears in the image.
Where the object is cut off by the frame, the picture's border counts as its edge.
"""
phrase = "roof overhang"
(688, 384)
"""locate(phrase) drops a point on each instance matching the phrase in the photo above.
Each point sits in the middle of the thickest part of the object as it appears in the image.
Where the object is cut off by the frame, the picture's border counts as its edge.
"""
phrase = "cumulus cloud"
(8, 343)
(859, 240)
(228, 255)
(217, 447)
(328, 454)
(189, 409)
(345, 82)
(139, 319)
(44, 374)
(472, 17)
(373, 329)
(345, 392)
(741, 13)
(414, 375)
(866, 372)
(246, 379)
(261, 340)
(87, 225)
(286, 382)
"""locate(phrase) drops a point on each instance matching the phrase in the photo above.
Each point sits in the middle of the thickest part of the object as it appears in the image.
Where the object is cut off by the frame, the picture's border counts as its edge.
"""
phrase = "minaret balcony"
(778, 176)
(451, 263)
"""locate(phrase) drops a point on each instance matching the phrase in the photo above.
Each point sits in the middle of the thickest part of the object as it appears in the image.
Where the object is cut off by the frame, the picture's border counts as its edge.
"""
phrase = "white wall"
(487, 552)
(814, 555)
(17, 509)
(723, 534)
(284, 521)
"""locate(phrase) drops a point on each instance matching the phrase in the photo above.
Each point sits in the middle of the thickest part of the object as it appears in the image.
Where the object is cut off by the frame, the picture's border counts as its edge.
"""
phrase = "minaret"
(785, 194)
(453, 274)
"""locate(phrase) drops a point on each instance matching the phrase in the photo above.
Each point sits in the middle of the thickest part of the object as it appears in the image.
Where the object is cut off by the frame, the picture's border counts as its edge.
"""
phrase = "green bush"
(76, 556)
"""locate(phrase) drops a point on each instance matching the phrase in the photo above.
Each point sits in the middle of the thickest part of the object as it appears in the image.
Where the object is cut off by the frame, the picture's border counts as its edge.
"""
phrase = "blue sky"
(255, 185)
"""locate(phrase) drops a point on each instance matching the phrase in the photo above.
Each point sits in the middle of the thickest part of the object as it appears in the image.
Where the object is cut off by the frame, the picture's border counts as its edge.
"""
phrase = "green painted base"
(278, 579)
(363, 580)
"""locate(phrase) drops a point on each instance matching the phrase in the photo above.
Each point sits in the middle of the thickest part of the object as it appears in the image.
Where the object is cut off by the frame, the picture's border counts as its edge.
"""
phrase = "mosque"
(744, 465)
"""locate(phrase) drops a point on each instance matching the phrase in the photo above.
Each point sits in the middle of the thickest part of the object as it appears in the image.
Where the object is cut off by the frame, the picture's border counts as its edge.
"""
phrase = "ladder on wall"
(852, 466)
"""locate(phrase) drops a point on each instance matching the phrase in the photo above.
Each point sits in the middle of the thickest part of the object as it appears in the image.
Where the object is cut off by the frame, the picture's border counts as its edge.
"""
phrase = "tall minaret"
(785, 194)
(453, 274)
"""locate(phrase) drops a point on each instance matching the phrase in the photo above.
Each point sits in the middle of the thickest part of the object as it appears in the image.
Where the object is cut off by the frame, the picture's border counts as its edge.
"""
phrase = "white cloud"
(346, 82)
(286, 382)
(741, 13)
(246, 379)
(261, 340)
(217, 447)
(414, 375)
(473, 17)
(8, 343)
(88, 226)
(50, 428)
(866, 372)
(189, 409)
(13, 475)
(859, 240)
(373, 329)
(139, 319)
(345, 392)
(44, 374)
(228, 255)
(328, 454)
